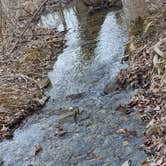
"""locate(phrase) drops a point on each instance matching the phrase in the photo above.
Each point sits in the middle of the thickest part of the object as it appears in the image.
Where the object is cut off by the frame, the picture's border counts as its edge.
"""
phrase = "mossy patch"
(16, 98)
(33, 64)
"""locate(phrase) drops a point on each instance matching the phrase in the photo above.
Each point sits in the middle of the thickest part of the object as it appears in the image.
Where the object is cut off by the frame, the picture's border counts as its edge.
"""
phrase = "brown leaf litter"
(26, 56)
(147, 74)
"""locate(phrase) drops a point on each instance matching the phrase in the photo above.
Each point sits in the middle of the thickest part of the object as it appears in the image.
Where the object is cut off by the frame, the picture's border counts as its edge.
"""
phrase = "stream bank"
(26, 55)
(79, 124)
(146, 54)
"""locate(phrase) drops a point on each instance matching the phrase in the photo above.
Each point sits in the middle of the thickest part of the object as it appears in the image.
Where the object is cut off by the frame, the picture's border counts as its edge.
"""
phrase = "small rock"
(71, 108)
(60, 132)
(153, 129)
(42, 101)
(110, 87)
(125, 143)
(127, 163)
(38, 149)
(121, 131)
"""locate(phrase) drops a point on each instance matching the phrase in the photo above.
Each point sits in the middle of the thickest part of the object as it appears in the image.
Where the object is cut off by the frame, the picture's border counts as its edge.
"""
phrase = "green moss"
(32, 64)
(8, 88)
(34, 54)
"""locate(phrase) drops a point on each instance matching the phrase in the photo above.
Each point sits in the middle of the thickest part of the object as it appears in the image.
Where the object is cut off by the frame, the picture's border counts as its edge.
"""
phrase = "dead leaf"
(38, 149)
(127, 163)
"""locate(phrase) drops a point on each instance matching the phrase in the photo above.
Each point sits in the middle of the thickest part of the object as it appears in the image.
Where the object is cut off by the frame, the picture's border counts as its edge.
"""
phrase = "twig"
(28, 24)
(25, 77)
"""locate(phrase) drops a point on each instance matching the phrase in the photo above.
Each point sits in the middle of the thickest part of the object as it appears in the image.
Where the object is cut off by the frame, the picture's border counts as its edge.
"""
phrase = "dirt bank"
(146, 54)
(26, 55)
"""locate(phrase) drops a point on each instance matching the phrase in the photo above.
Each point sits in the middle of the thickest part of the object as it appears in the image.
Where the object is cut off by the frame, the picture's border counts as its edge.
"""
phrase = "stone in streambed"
(42, 101)
(110, 87)
(75, 96)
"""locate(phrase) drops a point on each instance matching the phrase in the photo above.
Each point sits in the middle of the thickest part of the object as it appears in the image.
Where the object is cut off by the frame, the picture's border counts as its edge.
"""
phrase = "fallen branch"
(28, 24)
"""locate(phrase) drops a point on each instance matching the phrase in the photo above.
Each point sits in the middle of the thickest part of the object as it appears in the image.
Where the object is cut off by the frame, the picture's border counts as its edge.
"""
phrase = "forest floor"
(27, 53)
(146, 54)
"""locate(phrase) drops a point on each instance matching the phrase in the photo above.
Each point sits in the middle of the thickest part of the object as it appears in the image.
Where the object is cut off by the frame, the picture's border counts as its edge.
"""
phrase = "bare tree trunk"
(1, 24)
(134, 8)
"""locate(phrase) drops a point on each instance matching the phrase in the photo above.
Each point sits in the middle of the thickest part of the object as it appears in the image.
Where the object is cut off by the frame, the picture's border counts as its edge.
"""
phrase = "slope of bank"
(26, 55)
(146, 54)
